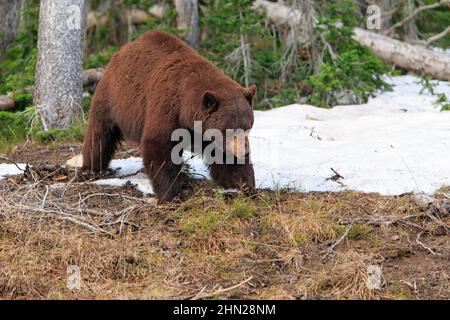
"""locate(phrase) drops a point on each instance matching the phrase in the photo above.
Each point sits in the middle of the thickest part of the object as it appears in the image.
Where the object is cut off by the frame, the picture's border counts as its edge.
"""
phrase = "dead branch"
(387, 222)
(418, 10)
(336, 177)
(202, 295)
(435, 209)
(423, 245)
(61, 216)
(437, 37)
(329, 251)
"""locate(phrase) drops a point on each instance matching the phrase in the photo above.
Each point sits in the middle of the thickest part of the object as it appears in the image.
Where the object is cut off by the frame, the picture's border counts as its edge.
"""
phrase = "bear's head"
(224, 108)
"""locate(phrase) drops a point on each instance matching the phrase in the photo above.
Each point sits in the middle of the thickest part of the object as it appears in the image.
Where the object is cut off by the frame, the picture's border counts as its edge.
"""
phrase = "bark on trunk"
(188, 19)
(9, 21)
(411, 57)
(58, 92)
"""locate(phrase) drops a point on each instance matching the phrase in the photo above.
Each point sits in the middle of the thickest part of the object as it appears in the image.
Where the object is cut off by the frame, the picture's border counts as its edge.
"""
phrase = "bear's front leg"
(166, 177)
(234, 176)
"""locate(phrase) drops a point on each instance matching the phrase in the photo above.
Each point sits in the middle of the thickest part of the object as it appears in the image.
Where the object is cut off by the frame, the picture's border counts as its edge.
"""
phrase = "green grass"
(200, 221)
(73, 133)
(242, 208)
(13, 129)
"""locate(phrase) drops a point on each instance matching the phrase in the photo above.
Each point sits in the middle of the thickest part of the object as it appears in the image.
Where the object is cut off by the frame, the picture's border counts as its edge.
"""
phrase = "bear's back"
(153, 72)
(133, 72)
(165, 43)
(140, 57)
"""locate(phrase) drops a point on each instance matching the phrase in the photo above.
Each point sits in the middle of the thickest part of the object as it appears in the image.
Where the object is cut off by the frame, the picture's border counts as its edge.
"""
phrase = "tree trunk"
(9, 22)
(387, 11)
(58, 92)
(188, 19)
(411, 57)
(411, 30)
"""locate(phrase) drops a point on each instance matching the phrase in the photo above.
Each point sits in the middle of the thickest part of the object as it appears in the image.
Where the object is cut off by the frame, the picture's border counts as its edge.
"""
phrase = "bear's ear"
(210, 101)
(249, 94)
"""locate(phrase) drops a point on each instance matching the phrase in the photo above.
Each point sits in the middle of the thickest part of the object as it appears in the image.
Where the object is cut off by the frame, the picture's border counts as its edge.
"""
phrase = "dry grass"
(281, 245)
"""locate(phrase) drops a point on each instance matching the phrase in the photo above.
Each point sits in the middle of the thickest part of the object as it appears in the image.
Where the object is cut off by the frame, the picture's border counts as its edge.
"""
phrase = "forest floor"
(280, 245)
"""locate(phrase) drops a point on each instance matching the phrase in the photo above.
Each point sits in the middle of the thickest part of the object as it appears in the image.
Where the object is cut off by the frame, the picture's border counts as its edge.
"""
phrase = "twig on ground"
(434, 208)
(202, 295)
(423, 245)
(336, 177)
(415, 13)
(45, 197)
(380, 222)
(329, 251)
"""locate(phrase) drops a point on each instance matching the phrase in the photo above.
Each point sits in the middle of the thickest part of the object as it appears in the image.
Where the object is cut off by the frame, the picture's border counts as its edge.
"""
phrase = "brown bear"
(151, 87)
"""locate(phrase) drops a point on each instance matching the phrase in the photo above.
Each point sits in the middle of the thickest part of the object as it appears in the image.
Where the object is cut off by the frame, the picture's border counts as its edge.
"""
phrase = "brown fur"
(153, 86)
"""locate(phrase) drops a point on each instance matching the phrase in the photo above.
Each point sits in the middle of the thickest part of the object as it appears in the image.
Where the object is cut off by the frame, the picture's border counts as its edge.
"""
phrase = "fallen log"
(407, 56)
(90, 77)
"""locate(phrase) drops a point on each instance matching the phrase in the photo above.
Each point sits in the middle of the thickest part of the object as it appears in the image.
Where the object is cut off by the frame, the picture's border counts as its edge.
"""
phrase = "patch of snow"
(398, 142)
(126, 167)
(140, 181)
(7, 169)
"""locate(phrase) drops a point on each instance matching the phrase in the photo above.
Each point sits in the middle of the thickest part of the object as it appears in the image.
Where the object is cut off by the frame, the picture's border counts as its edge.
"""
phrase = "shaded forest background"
(325, 69)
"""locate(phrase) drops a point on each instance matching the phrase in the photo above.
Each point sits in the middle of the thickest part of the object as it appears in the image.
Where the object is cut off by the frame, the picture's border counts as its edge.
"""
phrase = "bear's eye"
(210, 101)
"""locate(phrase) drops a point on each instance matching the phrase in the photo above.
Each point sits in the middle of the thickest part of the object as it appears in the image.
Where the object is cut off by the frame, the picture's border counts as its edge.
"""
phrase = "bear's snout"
(239, 145)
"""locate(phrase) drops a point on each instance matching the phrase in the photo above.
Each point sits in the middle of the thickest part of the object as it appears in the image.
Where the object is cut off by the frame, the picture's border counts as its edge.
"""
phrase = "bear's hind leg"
(100, 142)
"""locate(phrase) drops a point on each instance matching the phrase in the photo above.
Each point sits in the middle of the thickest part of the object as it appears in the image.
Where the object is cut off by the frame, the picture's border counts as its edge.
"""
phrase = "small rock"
(6, 103)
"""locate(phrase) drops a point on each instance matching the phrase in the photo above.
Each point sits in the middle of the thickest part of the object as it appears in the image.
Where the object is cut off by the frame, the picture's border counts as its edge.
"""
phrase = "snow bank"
(396, 143)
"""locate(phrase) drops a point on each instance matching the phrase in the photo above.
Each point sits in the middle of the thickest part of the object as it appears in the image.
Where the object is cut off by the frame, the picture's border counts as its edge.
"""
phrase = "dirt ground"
(280, 245)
